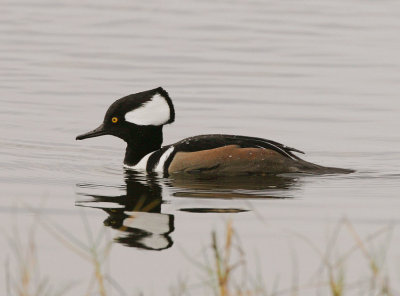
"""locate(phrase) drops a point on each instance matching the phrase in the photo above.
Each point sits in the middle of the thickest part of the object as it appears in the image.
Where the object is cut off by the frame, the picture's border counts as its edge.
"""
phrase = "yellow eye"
(114, 120)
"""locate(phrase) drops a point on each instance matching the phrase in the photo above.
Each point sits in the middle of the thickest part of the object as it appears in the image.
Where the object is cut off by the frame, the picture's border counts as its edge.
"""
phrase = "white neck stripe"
(142, 164)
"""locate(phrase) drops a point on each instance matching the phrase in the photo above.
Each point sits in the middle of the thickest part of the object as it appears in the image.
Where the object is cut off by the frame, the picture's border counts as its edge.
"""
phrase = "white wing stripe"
(163, 159)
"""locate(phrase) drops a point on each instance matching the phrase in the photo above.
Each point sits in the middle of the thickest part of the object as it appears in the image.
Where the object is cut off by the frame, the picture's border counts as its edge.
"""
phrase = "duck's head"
(136, 117)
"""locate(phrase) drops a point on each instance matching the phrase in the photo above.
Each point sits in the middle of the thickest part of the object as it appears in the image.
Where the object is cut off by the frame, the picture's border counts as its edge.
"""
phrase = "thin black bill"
(100, 131)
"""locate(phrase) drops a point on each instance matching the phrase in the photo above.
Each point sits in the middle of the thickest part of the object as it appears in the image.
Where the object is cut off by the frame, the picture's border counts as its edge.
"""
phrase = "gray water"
(320, 76)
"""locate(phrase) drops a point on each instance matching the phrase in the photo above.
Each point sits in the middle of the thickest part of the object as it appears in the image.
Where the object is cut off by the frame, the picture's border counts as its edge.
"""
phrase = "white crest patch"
(154, 112)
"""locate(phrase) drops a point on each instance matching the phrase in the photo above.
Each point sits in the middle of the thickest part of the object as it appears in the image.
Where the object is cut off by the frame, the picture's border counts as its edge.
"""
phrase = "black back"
(206, 142)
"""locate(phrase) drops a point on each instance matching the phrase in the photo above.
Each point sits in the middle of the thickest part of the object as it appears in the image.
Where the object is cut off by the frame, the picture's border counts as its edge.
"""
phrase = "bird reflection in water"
(138, 213)
(232, 187)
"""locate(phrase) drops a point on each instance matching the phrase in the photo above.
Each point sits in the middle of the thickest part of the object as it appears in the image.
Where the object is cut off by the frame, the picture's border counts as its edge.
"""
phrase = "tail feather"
(308, 167)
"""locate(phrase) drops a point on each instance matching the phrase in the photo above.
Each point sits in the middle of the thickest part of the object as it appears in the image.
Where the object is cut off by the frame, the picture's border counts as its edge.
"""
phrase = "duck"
(138, 119)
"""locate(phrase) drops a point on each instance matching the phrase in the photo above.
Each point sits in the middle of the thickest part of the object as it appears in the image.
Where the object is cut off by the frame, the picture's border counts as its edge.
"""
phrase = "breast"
(233, 160)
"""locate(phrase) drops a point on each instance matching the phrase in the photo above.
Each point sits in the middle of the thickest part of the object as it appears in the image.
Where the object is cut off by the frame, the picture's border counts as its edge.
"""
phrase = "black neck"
(142, 143)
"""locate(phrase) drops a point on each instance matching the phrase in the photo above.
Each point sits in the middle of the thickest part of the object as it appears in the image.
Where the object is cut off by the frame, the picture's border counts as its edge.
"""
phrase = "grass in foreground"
(224, 267)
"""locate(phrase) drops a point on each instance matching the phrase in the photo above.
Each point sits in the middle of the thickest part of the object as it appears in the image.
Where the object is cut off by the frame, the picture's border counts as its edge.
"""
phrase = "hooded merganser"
(138, 119)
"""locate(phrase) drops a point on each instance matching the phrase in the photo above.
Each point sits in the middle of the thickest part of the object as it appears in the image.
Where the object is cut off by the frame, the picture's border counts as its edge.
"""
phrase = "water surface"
(320, 76)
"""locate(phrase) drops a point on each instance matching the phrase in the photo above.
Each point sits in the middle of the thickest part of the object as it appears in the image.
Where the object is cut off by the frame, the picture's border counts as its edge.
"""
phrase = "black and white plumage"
(138, 119)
